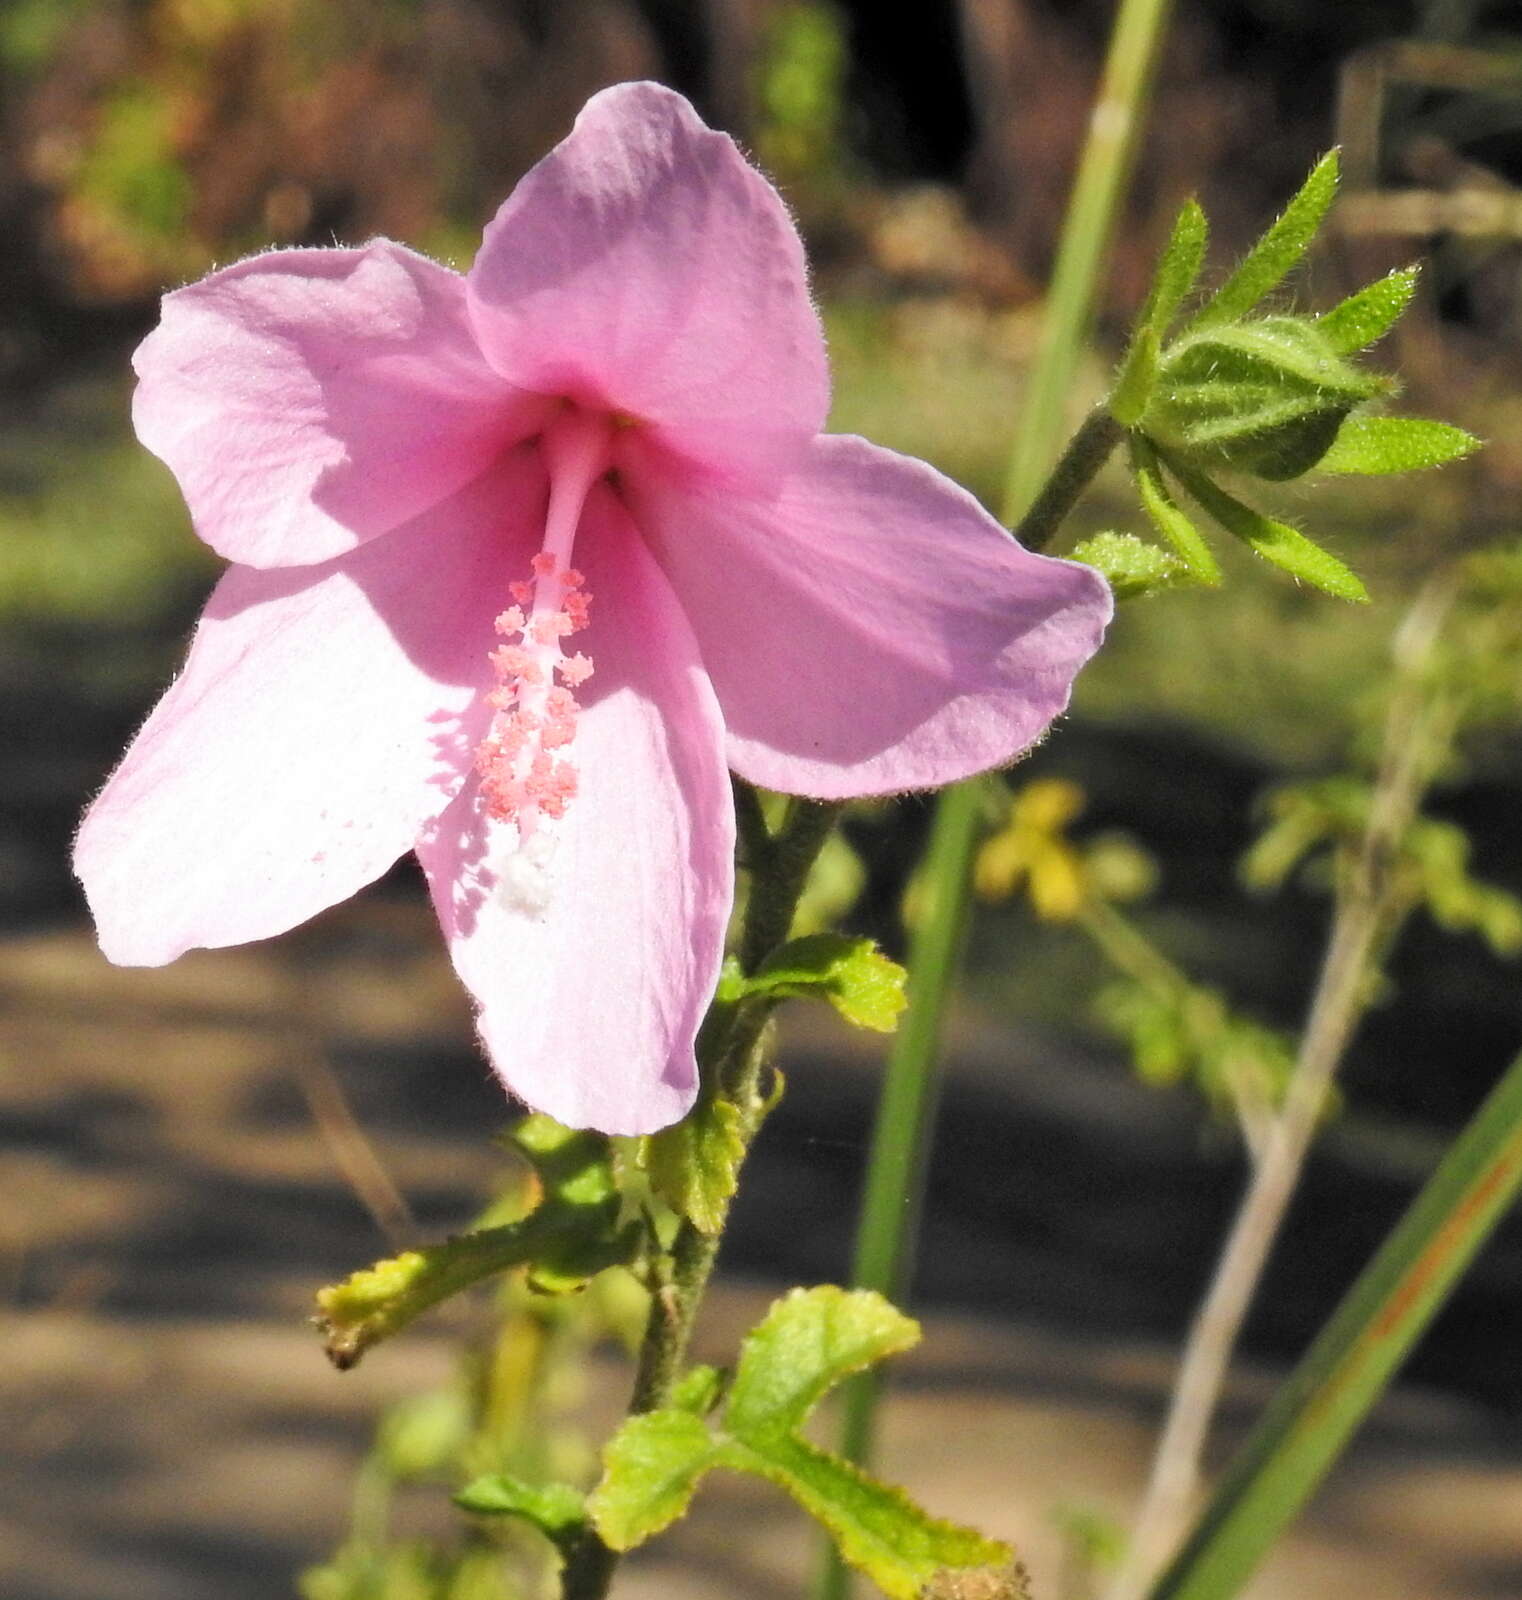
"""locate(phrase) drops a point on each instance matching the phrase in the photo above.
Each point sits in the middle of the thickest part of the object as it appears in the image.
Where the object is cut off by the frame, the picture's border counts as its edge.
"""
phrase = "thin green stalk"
(900, 1141)
(1140, 26)
(1316, 1412)
(779, 864)
(1086, 453)
(888, 1227)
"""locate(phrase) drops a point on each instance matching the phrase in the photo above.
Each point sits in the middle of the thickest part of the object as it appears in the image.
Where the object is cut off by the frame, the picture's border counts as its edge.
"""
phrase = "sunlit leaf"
(1278, 251)
(1367, 316)
(851, 973)
(557, 1509)
(1378, 445)
(1188, 544)
(1286, 547)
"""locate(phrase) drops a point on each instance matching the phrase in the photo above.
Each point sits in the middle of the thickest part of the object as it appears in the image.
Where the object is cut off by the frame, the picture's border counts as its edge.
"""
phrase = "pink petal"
(589, 1010)
(870, 628)
(315, 729)
(644, 267)
(308, 400)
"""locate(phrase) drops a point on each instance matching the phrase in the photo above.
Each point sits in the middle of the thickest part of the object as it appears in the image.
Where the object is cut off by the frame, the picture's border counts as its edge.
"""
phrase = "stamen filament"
(523, 780)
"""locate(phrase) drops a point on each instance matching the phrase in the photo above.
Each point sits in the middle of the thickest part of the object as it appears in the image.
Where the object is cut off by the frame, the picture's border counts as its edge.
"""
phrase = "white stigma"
(524, 882)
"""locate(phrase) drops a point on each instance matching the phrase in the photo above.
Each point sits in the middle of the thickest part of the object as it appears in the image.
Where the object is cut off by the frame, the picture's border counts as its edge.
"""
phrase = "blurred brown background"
(189, 1153)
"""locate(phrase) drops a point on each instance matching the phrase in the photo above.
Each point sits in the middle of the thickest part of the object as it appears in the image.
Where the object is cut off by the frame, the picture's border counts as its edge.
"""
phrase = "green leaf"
(1136, 380)
(1130, 566)
(1278, 251)
(862, 984)
(1168, 519)
(807, 1342)
(805, 1345)
(1277, 542)
(1376, 445)
(558, 1510)
(698, 1390)
(876, 1527)
(1333, 1389)
(1264, 397)
(1177, 269)
(569, 1237)
(650, 1468)
(1367, 316)
(694, 1164)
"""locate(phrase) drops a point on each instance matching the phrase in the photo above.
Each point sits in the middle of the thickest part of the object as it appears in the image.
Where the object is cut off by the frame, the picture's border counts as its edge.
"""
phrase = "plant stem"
(1417, 729)
(779, 865)
(889, 1224)
(1087, 452)
(1354, 1357)
(890, 1215)
(1140, 26)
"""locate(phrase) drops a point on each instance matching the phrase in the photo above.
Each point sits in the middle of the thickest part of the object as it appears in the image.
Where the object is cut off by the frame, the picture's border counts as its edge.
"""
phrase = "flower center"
(527, 776)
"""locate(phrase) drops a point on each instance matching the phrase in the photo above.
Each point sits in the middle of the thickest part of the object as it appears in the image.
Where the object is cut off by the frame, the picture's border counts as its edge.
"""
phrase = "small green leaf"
(1130, 566)
(807, 1343)
(1136, 380)
(862, 984)
(694, 1164)
(698, 1390)
(876, 1527)
(1278, 251)
(568, 1237)
(1367, 316)
(1277, 542)
(650, 1468)
(558, 1510)
(1377, 445)
(1177, 269)
(1168, 519)
(575, 1167)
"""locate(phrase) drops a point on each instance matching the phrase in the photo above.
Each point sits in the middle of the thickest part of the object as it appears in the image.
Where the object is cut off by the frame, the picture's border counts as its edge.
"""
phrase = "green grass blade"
(1275, 255)
(1367, 316)
(1308, 1423)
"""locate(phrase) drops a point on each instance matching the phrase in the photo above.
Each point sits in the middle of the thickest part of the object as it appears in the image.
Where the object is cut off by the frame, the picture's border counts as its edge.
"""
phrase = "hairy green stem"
(737, 1055)
(1087, 452)
(1103, 171)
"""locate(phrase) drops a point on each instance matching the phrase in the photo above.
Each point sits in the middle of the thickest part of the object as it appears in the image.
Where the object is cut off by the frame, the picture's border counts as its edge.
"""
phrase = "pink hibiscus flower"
(521, 561)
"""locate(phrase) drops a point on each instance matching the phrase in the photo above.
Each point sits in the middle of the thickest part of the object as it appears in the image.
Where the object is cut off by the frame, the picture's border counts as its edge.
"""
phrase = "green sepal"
(1132, 567)
(1366, 316)
(558, 1510)
(1177, 269)
(1264, 397)
(851, 973)
(569, 1237)
(694, 1165)
(1166, 516)
(807, 1343)
(1379, 445)
(1136, 380)
(1286, 547)
(1279, 250)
